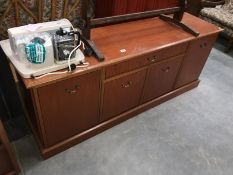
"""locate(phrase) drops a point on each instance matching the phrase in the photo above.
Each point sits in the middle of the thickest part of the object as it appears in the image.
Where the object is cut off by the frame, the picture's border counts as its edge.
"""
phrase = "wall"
(117, 7)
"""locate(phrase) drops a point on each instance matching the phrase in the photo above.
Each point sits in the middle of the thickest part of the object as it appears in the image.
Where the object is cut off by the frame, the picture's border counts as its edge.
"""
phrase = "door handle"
(127, 85)
(204, 45)
(153, 59)
(166, 69)
(72, 90)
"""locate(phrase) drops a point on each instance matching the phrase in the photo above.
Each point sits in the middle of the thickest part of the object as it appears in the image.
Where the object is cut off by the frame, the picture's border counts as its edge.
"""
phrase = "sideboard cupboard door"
(195, 59)
(122, 94)
(70, 106)
(161, 78)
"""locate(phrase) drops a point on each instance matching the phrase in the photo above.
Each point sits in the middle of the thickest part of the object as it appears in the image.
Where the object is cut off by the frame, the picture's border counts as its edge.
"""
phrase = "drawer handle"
(166, 69)
(204, 45)
(127, 85)
(153, 59)
(72, 91)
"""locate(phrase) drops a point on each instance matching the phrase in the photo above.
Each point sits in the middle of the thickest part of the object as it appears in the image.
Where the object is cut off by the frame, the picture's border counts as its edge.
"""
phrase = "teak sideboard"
(147, 62)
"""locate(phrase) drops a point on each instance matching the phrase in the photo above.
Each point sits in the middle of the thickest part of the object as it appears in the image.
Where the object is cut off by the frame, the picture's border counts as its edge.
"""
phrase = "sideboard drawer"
(70, 106)
(122, 94)
(171, 51)
(129, 65)
(146, 59)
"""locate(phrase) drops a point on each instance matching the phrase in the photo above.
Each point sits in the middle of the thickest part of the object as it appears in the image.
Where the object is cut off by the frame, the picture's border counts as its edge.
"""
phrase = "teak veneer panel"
(161, 78)
(76, 100)
(122, 94)
(195, 59)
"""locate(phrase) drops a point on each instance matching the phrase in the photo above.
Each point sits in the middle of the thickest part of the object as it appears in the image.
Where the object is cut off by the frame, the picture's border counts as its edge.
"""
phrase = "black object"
(88, 51)
(72, 67)
(63, 46)
(8, 89)
(62, 43)
(92, 49)
(38, 40)
(61, 32)
(11, 111)
(4, 110)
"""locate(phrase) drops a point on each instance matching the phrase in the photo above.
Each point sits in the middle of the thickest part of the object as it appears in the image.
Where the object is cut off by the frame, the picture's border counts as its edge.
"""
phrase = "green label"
(35, 53)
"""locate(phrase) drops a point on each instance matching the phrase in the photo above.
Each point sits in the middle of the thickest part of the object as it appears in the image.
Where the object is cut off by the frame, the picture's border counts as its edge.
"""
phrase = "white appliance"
(17, 33)
(21, 37)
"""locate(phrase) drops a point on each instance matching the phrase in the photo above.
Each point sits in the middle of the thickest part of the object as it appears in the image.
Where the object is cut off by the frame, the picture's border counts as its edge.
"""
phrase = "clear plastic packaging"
(21, 44)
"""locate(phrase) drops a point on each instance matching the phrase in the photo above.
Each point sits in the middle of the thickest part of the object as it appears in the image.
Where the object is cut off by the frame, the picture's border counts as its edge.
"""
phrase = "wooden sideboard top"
(137, 38)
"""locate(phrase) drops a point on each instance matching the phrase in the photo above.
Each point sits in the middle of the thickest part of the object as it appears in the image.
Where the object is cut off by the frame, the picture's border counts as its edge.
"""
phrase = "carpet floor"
(189, 135)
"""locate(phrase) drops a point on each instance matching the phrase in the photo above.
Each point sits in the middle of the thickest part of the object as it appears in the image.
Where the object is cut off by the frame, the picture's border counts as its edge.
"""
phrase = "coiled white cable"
(71, 55)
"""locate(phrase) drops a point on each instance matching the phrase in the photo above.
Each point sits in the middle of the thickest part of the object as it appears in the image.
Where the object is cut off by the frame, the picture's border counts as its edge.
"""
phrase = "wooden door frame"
(6, 143)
